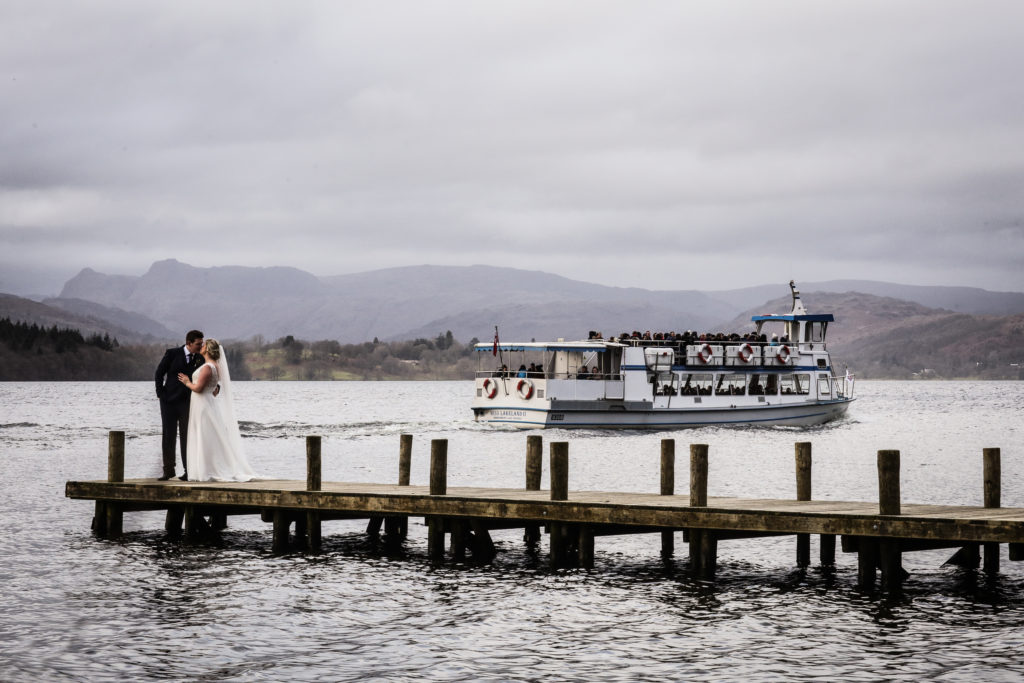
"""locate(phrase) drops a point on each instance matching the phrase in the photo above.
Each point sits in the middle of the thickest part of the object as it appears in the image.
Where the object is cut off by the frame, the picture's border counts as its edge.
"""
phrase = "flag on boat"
(494, 351)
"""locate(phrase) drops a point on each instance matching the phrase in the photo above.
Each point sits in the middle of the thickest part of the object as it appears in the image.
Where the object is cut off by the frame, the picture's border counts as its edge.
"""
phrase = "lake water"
(145, 608)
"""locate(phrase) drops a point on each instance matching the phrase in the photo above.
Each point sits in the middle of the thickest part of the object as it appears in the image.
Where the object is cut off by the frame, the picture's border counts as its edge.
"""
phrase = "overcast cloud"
(666, 145)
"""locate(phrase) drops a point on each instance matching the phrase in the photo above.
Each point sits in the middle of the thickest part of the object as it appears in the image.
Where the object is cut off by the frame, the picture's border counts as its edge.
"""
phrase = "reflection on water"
(142, 607)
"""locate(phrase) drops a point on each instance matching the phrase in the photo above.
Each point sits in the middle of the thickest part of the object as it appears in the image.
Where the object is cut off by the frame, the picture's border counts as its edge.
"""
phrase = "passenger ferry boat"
(673, 382)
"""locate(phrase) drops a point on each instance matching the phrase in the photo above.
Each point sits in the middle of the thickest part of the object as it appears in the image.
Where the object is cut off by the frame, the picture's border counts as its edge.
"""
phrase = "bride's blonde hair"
(213, 349)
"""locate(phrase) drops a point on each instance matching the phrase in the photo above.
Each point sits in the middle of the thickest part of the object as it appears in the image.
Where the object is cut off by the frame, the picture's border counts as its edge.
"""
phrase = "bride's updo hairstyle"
(213, 349)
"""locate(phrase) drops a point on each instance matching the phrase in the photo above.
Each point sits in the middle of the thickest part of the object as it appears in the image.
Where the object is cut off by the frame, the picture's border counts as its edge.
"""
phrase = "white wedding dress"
(215, 450)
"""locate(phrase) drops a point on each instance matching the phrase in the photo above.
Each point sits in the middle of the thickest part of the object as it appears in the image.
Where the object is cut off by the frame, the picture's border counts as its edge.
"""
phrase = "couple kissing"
(193, 384)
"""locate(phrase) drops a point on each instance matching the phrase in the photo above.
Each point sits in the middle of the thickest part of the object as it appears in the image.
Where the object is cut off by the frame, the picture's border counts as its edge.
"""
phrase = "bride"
(214, 445)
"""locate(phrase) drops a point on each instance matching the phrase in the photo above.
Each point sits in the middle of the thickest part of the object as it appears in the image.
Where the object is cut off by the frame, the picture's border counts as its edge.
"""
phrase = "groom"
(175, 397)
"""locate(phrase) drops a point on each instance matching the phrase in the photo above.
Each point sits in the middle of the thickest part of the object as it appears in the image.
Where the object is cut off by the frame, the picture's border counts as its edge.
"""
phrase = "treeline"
(29, 352)
(33, 353)
(442, 357)
(21, 336)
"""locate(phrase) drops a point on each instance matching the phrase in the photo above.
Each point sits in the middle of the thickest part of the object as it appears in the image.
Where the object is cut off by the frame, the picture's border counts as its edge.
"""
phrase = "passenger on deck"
(583, 373)
(522, 371)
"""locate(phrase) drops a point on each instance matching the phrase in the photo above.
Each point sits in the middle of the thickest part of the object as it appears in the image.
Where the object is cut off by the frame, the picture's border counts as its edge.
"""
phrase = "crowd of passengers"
(537, 370)
(691, 337)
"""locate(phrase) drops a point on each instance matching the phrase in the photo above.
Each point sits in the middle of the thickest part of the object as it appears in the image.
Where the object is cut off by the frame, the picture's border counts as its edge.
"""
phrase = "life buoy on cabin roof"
(783, 354)
(705, 354)
(745, 353)
(490, 387)
(524, 388)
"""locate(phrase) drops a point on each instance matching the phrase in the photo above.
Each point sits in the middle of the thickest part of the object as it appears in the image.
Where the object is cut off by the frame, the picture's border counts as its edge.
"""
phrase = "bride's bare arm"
(201, 379)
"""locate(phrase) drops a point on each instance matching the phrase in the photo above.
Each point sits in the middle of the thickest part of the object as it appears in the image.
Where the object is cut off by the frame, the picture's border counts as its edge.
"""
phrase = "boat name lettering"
(555, 417)
(508, 413)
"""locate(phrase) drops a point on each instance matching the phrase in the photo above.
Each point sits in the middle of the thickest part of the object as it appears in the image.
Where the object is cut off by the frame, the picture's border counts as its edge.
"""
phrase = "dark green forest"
(33, 353)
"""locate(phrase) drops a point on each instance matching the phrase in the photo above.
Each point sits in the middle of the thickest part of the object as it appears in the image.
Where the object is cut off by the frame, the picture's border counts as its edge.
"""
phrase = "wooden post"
(404, 459)
(698, 475)
(668, 488)
(173, 520)
(282, 524)
(867, 562)
(559, 467)
(312, 534)
(115, 473)
(534, 468)
(191, 524)
(397, 527)
(993, 499)
(115, 457)
(439, 467)
(438, 487)
(585, 542)
(701, 540)
(803, 492)
(889, 555)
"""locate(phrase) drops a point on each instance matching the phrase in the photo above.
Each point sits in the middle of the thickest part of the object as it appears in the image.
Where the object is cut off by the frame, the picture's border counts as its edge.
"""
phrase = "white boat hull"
(623, 417)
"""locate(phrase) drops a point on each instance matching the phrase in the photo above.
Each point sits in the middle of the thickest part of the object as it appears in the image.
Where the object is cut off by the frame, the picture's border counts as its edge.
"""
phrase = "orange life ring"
(783, 355)
(705, 354)
(524, 388)
(490, 387)
(745, 353)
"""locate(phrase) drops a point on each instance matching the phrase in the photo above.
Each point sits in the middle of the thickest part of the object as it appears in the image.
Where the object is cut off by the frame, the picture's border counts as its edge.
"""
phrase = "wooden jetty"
(879, 532)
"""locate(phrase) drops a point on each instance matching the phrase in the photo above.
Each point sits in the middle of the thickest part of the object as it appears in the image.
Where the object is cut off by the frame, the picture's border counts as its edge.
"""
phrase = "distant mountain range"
(234, 302)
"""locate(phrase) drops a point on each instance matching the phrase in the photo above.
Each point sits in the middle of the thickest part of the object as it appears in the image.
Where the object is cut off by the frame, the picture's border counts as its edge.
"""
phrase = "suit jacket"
(168, 387)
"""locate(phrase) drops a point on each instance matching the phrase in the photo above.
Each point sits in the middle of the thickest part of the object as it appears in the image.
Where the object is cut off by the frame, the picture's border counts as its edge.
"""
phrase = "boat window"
(823, 390)
(730, 385)
(696, 385)
(795, 384)
(771, 385)
(666, 384)
(758, 385)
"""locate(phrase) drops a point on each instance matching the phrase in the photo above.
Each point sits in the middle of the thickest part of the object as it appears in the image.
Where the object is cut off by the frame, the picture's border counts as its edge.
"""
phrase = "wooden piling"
(534, 470)
(115, 473)
(312, 530)
(438, 487)
(993, 499)
(282, 526)
(703, 543)
(803, 492)
(668, 488)
(404, 459)
(397, 526)
(559, 467)
(585, 543)
(889, 555)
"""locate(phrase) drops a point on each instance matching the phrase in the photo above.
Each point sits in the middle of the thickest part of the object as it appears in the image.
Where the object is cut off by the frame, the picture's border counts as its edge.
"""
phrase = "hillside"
(876, 335)
(405, 303)
(883, 337)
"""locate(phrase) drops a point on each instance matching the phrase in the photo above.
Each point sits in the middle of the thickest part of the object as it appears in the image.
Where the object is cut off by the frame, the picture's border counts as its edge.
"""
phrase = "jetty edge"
(878, 532)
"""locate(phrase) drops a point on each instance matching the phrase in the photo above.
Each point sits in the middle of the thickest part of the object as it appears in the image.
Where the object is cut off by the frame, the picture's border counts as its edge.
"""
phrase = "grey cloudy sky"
(666, 145)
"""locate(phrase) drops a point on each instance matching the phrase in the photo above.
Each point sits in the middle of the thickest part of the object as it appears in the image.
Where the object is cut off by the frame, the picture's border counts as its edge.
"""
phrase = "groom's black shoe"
(183, 477)
(165, 477)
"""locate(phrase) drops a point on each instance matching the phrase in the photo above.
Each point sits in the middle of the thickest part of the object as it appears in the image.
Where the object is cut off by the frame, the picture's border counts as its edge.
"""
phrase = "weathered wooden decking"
(879, 532)
(934, 522)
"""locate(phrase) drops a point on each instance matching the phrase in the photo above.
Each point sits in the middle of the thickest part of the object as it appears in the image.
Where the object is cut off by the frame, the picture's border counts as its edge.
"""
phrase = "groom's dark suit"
(174, 403)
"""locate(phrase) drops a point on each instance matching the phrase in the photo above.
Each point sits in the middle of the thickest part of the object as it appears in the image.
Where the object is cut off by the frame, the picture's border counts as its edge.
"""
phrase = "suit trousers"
(174, 416)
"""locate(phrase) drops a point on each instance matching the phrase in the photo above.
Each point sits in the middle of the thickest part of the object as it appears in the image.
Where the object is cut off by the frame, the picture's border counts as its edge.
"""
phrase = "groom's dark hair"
(192, 336)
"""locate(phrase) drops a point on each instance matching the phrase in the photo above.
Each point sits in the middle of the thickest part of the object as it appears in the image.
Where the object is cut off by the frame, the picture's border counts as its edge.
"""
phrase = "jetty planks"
(935, 522)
